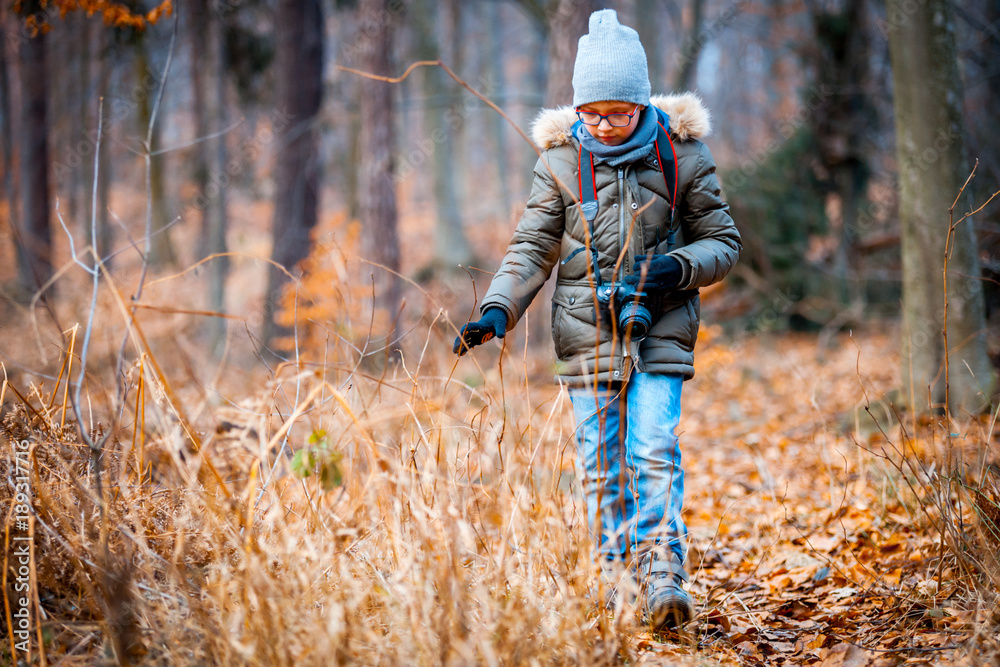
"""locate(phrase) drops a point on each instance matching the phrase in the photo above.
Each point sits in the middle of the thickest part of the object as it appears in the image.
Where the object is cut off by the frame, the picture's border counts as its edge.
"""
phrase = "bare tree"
(690, 49)
(215, 214)
(933, 166)
(35, 248)
(197, 20)
(568, 21)
(299, 91)
(6, 127)
(106, 235)
(377, 198)
(161, 251)
(842, 120)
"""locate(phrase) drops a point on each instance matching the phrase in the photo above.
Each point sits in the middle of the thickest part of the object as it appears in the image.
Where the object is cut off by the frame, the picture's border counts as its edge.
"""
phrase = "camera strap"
(588, 190)
(588, 193)
(589, 206)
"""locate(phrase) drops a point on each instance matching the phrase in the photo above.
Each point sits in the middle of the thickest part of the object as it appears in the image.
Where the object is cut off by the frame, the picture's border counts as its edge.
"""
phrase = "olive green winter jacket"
(707, 245)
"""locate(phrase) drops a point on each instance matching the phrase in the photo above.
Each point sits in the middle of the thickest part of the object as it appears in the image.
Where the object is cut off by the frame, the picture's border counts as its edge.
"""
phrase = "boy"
(651, 225)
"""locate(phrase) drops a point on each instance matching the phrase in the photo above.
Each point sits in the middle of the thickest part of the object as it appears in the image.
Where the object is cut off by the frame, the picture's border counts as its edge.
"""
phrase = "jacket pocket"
(557, 314)
(573, 319)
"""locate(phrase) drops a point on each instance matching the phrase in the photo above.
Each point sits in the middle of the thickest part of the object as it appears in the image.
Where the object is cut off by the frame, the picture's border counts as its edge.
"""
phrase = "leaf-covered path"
(805, 547)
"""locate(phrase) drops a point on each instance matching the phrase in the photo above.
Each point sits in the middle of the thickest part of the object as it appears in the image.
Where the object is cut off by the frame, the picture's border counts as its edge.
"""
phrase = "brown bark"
(567, 24)
(299, 90)
(842, 120)
(930, 146)
(35, 248)
(687, 56)
(6, 129)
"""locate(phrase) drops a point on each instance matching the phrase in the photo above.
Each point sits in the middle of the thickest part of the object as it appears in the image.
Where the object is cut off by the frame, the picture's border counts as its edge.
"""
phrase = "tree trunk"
(105, 232)
(687, 56)
(842, 120)
(35, 249)
(299, 90)
(75, 99)
(161, 249)
(567, 24)
(216, 208)
(649, 28)
(930, 148)
(197, 26)
(6, 129)
(84, 175)
(378, 195)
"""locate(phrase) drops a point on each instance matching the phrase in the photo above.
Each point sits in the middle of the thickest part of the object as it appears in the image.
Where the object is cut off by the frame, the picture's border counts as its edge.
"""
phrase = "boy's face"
(605, 132)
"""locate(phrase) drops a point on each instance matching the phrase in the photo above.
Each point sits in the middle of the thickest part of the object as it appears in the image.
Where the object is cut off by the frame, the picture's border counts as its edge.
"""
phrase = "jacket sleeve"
(712, 242)
(533, 250)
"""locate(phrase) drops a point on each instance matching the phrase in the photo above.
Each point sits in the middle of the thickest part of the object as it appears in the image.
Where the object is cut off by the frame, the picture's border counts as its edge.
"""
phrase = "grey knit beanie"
(610, 63)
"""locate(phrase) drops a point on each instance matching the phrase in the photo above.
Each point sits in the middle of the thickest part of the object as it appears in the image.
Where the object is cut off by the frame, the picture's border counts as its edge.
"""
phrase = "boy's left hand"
(492, 324)
(662, 271)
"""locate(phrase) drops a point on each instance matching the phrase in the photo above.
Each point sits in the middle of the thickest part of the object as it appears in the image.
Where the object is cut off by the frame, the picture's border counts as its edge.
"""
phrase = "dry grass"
(452, 540)
(458, 535)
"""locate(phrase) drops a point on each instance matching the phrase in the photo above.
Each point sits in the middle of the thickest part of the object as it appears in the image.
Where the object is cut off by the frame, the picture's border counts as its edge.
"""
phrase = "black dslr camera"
(630, 304)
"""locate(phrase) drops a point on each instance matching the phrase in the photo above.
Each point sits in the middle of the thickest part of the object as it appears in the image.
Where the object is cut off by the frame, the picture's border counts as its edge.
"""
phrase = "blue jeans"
(631, 460)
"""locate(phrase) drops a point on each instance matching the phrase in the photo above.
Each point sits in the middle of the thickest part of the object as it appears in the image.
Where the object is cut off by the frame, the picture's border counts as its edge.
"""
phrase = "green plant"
(320, 459)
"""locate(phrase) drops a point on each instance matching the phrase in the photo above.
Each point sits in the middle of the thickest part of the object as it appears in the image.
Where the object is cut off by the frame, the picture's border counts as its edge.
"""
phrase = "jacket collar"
(689, 119)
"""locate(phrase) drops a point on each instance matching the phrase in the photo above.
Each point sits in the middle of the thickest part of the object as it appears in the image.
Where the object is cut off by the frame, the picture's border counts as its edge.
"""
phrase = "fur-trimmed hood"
(689, 119)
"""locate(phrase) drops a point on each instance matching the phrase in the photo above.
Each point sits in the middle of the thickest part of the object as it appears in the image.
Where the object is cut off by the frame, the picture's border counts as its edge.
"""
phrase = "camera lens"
(635, 317)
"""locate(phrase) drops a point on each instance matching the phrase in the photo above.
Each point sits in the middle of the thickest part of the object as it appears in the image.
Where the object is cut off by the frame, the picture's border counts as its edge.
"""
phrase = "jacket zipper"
(627, 355)
(622, 368)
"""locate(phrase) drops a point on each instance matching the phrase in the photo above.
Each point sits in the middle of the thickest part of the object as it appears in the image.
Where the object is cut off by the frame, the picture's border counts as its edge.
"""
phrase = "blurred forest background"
(263, 146)
(287, 247)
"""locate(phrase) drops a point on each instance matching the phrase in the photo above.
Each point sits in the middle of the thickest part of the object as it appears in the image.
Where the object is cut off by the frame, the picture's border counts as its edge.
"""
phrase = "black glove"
(493, 323)
(662, 271)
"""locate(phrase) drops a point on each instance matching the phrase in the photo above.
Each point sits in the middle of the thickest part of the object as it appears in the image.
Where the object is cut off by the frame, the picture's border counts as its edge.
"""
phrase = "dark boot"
(665, 603)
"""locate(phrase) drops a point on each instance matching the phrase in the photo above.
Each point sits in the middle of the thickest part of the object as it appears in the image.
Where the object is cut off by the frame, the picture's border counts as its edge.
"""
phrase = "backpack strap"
(670, 177)
(588, 191)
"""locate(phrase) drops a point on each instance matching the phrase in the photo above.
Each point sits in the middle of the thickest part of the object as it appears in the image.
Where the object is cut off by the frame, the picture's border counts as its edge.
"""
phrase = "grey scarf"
(638, 146)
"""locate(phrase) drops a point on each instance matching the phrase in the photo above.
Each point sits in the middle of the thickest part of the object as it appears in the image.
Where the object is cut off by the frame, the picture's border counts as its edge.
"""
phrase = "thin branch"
(95, 447)
(574, 195)
(163, 84)
(72, 245)
(199, 140)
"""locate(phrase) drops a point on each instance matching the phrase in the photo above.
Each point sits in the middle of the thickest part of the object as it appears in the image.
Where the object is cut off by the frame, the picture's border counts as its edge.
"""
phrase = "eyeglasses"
(614, 119)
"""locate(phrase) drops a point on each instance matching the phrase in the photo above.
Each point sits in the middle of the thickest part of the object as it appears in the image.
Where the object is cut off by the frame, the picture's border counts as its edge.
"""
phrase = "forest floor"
(812, 540)
(451, 531)
(808, 545)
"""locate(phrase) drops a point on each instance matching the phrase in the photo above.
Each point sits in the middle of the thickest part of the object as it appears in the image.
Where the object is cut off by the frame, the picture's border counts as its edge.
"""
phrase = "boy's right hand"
(493, 324)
